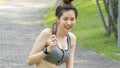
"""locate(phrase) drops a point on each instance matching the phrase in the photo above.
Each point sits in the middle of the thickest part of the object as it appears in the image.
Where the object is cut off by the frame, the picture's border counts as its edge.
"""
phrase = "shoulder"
(73, 39)
(45, 33)
(72, 36)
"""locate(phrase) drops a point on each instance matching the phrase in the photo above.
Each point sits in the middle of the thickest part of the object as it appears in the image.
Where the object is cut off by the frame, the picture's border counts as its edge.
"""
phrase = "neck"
(61, 33)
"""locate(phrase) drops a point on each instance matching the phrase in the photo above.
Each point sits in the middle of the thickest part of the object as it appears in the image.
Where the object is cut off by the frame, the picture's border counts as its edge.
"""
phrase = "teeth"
(68, 27)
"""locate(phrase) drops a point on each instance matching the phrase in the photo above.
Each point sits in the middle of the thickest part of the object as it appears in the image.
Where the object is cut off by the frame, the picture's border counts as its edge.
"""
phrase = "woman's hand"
(52, 43)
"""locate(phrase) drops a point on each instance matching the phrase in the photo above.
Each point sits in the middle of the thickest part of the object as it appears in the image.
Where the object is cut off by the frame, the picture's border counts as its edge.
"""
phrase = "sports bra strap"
(69, 40)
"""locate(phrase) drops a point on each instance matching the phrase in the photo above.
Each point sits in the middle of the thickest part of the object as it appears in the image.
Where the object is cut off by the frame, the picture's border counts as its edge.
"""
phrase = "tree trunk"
(106, 4)
(119, 25)
(112, 6)
(109, 7)
(102, 17)
(112, 17)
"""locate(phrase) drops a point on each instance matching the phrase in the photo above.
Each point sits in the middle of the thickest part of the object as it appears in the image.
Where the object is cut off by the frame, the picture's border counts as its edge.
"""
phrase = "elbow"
(29, 62)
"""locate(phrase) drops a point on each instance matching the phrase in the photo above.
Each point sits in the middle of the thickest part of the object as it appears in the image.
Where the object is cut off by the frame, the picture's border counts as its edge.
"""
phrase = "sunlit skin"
(65, 23)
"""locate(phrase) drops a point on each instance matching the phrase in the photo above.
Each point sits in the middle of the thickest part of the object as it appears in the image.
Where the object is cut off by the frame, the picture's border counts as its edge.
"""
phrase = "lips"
(68, 27)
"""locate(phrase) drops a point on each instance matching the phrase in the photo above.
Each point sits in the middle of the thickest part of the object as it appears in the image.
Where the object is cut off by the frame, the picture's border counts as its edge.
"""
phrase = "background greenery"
(89, 30)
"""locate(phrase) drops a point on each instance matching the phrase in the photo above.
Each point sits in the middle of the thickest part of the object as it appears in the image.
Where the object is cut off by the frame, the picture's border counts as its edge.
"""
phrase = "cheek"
(62, 22)
(73, 23)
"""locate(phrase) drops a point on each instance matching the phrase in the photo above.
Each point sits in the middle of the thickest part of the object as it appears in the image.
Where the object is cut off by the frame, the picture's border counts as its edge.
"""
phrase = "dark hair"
(67, 1)
(65, 7)
(61, 9)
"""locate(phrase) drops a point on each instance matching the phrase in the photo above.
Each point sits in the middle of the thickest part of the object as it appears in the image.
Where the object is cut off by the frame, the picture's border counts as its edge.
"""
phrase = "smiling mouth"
(68, 28)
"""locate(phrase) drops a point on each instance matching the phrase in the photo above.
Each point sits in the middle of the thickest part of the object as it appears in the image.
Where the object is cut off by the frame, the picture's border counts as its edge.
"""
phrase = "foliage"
(111, 7)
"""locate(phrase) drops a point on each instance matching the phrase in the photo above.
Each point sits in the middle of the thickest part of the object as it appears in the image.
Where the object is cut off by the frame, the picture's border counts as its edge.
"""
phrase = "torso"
(59, 55)
(45, 64)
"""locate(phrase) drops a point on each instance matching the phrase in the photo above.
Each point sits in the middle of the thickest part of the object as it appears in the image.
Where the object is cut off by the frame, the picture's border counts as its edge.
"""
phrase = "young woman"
(57, 45)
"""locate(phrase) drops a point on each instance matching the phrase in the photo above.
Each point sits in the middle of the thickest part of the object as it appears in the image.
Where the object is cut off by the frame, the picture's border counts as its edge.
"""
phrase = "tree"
(119, 25)
(111, 7)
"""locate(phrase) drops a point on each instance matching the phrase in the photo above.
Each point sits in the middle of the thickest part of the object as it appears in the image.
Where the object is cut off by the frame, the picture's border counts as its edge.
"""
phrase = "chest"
(63, 44)
(58, 56)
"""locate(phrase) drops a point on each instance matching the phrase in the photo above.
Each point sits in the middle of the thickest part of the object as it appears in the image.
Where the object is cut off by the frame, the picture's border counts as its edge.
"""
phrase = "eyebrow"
(67, 17)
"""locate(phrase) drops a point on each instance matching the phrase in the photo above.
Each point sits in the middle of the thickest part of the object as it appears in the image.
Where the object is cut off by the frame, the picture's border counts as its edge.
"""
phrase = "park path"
(21, 21)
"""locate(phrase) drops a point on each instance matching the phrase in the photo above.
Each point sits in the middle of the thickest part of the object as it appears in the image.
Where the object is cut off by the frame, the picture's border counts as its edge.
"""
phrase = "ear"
(58, 19)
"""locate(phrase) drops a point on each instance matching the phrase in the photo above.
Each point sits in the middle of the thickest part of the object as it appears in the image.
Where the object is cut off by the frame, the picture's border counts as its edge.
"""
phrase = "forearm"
(70, 65)
(35, 58)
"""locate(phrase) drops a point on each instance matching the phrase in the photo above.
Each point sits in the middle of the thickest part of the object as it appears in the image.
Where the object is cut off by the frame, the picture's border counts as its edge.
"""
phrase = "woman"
(57, 45)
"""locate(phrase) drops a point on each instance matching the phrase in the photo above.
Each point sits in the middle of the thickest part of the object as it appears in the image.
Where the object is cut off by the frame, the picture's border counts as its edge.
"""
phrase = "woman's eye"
(65, 19)
(72, 19)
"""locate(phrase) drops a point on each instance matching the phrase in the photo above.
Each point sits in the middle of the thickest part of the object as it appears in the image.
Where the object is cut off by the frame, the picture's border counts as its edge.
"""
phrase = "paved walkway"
(20, 23)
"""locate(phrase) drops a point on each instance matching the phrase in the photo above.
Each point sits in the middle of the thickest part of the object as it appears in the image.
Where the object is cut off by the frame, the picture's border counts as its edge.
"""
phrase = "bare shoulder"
(41, 40)
(45, 33)
(72, 36)
(73, 39)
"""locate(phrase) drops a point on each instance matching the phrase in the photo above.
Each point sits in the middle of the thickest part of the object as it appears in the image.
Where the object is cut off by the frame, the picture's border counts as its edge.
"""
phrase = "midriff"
(45, 64)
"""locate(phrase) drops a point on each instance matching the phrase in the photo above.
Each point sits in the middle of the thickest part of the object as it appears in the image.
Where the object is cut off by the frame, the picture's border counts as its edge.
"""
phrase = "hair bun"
(67, 1)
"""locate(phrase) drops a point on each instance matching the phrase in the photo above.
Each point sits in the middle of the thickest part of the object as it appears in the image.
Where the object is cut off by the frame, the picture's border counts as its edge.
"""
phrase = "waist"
(45, 64)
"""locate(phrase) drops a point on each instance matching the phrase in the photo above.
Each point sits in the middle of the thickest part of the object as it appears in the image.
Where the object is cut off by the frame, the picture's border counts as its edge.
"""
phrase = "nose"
(69, 22)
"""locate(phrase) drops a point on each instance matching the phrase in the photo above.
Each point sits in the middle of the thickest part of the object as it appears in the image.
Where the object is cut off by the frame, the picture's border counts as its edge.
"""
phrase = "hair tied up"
(67, 1)
(54, 28)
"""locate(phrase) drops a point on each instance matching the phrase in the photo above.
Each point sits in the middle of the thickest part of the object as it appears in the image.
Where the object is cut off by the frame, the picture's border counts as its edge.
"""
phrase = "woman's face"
(67, 20)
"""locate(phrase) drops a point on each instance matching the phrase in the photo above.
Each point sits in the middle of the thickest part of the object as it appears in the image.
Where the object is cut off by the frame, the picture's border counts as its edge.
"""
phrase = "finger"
(53, 43)
(54, 39)
(53, 36)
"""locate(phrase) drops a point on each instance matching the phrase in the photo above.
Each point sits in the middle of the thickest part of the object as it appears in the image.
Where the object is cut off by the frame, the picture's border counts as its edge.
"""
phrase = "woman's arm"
(70, 62)
(36, 54)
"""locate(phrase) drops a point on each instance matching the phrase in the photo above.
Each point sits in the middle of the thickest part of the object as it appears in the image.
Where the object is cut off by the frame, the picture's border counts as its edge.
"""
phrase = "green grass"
(89, 30)
(50, 17)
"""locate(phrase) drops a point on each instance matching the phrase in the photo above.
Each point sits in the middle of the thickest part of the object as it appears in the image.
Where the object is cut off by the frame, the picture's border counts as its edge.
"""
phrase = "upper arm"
(70, 62)
(73, 40)
(40, 41)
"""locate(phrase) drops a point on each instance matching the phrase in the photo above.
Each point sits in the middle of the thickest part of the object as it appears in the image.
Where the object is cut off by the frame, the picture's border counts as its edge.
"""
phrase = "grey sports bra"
(59, 56)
